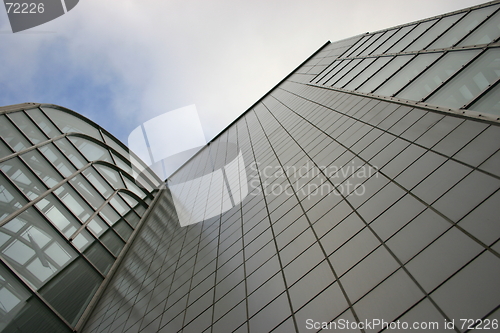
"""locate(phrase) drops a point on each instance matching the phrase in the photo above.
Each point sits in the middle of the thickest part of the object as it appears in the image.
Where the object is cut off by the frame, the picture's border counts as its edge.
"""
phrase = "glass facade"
(363, 189)
(68, 208)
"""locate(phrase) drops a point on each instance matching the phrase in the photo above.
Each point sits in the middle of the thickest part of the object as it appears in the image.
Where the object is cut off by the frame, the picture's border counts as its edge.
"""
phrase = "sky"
(123, 62)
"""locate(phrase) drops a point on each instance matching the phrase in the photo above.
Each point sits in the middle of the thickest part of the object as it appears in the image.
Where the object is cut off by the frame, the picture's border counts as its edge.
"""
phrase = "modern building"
(361, 191)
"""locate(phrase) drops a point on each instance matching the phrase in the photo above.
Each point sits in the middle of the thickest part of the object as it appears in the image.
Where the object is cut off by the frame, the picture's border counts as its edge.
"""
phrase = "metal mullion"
(414, 26)
(477, 27)
(36, 125)
(421, 72)
(125, 173)
(20, 130)
(35, 293)
(340, 78)
(43, 195)
(31, 147)
(78, 193)
(338, 68)
(355, 76)
(350, 47)
(449, 28)
(481, 94)
(376, 72)
(339, 62)
(92, 216)
(453, 75)
(369, 36)
(418, 37)
(373, 42)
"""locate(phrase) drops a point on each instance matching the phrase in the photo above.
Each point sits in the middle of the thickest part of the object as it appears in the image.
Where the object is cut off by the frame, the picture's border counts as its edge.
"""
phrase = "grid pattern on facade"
(414, 237)
(69, 203)
(451, 61)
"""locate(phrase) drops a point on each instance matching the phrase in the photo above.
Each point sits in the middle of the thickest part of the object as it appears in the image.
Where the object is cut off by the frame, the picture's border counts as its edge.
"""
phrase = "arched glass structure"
(71, 197)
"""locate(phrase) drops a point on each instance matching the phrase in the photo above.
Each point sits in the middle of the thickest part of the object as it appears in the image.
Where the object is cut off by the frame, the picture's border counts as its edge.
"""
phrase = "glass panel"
(12, 136)
(431, 34)
(34, 249)
(462, 28)
(69, 123)
(79, 282)
(10, 199)
(25, 180)
(132, 218)
(113, 144)
(70, 152)
(384, 73)
(359, 45)
(58, 160)
(403, 43)
(99, 183)
(109, 215)
(112, 242)
(100, 257)
(437, 74)
(4, 150)
(348, 77)
(111, 175)
(368, 72)
(132, 187)
(43, 122)
(123, 229)
(140, 167)
(489, 103)
(87, 191)
(343, 71)
(140, 209)
(42, 168)
(27, 126)
(485, 34)
(91, 150)
(471, 81)
(378, 42)
(82, 240)
(131, 201)
(122, 164)
(21, 312)
(59, 215)
(394, 38)
(120, 205)
(97, 226)
(74, 202)
(407, 73)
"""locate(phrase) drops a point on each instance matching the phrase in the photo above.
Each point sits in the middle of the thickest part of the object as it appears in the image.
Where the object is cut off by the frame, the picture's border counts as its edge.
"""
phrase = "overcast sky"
(122, 62)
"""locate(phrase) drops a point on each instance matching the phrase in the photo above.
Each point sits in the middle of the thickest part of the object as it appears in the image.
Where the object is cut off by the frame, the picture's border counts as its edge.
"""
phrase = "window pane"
(91, 150)
(43, 122)
(407, 73)
(463, 27)
(368, 72)
(42, 168)
(4, 150)
(384, 73)
(348, 77)
(71, 153)
(12, 136)
(485, 34)
(394, 38)
(359, 45)
(112, 242)
(87, 191)
(10, 199)
(34, 249)
(74, 202)
(99, 183)
(437, 74)
(111, 175)
(79, 282)
(403, 43)
(58, 214)
(382, 38)
(27, 126)
(431, 34)
(109, 215)
(471, 81)
(132, 187)
(69, 123)
(131, 201)
(343, 71)
(120, 205)
(23, 178)
(100, 257)
(489, 103)
(83, 240)
(58, 160)
(123, 229)
(132, 218)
